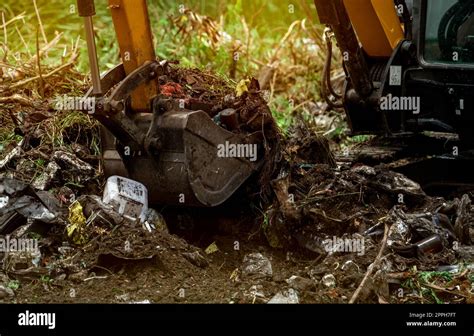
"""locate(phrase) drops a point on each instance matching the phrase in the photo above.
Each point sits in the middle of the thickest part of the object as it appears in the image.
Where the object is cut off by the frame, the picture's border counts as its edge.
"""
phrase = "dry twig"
(40, 23)
(371, 268)
(45, 48)
(16, 98)
(16, 18)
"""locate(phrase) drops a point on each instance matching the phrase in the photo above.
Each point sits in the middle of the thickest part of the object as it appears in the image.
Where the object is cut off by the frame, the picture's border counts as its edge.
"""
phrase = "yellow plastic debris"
(212, 248)
(77, 222)
(235, 275)
(241, 87)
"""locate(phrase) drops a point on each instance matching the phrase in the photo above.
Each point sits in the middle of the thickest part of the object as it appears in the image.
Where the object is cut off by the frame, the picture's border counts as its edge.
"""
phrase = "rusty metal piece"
(86, 7)
(230, 119)
(111, 159)
(135, 79)
(110, 111)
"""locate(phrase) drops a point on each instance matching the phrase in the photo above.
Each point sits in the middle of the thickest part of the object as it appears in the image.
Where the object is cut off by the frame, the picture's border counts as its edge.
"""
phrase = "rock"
(196, 259)
(465, 253)
(257, 264)
(6, 292)
(329, 280)
(286, 297)
(255, 294)
(61, 277)
(300, 283)
(123, 298)
(364, 170)
(79, 276)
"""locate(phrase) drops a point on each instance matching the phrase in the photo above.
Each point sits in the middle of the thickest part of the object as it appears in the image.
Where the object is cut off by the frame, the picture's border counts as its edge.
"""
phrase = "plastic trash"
(289, 296)
(129, 198)
(256, 264)
(329, 280)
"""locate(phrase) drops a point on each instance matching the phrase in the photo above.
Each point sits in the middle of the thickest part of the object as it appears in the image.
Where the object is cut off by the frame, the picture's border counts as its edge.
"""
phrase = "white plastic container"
(128, 197)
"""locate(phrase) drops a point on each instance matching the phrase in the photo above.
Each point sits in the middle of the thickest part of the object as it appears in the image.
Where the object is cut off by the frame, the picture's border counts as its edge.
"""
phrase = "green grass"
(254, 29)
(60, 16)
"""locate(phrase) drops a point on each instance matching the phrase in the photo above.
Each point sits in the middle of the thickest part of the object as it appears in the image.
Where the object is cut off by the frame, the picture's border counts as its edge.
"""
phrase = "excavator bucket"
(182, 156)
(199, 163)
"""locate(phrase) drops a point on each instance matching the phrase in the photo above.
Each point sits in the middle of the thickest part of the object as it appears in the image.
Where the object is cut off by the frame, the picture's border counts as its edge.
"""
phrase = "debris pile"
(349, 233)
(358, 221)
(239, 109)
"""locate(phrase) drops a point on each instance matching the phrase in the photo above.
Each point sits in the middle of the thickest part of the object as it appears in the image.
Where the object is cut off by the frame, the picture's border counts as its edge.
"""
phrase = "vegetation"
(236, 39)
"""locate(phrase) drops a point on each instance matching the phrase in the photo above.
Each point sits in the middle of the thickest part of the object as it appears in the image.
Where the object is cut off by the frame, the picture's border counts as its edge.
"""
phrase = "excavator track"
(440, 163)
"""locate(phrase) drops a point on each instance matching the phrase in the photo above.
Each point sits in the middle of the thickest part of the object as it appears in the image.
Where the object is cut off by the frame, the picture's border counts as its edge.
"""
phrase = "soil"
(163, 273)
(301, 197)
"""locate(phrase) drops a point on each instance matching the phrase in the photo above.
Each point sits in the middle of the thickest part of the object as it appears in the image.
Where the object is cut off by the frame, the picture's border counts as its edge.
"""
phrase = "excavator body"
(409, 64)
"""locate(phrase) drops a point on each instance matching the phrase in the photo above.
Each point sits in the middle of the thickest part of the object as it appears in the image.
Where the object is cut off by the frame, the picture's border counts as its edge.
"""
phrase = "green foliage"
(60, 16)
(361, 138)
(14, 284)
(46, 279)
(428, 277)
(282, 110)
(250, 29)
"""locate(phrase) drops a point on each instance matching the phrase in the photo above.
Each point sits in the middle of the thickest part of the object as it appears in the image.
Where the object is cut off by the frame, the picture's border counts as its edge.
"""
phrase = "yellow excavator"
(409, 67)
(170, 145)
(409, 64)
